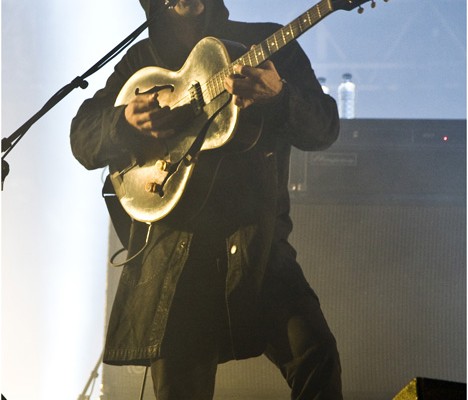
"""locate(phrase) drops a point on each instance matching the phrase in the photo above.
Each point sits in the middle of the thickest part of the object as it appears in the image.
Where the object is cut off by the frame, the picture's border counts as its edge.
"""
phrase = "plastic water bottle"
(346, 97)
(323, 82)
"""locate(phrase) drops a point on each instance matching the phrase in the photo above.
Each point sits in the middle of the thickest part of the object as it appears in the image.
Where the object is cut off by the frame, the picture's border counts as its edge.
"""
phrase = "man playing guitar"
(218, 281)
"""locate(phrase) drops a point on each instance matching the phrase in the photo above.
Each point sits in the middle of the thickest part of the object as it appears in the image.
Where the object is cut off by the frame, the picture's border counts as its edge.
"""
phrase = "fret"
(216, 86)
(215, 91)
(219, 80)
(276, 38)
(290, 33)
(259, 55)
(286, 34)
(210, 91)
(275, 42)
(255, 61)
(251, 59)
(283, 37)
(296, 28)
(212, 85)
(265, 49)
(244, 60)
(308, 18)
(301, 27)
(321, 8)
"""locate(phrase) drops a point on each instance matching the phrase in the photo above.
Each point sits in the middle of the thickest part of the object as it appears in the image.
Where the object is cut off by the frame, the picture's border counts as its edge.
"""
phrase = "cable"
(142, 392)
(111, 261)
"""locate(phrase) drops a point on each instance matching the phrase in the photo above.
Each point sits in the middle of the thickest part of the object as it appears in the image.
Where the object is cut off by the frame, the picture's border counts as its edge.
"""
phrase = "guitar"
(151, 185)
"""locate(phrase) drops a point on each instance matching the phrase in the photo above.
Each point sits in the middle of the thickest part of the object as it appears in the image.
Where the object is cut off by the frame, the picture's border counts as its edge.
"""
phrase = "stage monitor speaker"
(432, 389)
(383, 161)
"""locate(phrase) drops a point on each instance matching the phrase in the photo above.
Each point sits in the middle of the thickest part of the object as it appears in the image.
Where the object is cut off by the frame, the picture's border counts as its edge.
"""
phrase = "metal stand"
(8, 143)
(91, 381)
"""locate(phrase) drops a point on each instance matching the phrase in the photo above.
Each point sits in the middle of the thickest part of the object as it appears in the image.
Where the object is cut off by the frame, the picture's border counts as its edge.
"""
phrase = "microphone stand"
(94, 375)
(8, 143)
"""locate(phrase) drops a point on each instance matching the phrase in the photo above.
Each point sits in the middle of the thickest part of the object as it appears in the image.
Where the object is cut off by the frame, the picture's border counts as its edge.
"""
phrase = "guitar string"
(214, 86)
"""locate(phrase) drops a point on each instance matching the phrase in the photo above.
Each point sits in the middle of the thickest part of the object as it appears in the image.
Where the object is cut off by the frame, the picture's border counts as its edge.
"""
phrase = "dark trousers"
(300, 343)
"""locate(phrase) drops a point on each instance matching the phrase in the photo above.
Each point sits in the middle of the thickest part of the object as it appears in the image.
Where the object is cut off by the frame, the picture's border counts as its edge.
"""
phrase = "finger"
(157, 134)
(165, 118)
(228, 82)
(243, 87)
(149, 120)
(161, 118)
(233, 84)
(164, 122)
(145, 102)
(242, 102)
(246, 71)
(148, 128)
(267, 65)
(139, 120)
(145, 126)
(162, 134)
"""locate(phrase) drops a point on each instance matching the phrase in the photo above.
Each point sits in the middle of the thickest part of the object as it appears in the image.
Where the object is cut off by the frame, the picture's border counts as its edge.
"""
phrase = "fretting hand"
(251, 85)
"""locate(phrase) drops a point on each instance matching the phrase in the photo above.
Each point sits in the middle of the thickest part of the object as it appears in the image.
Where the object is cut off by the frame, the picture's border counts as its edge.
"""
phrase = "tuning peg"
(373, 4)
(360, 10)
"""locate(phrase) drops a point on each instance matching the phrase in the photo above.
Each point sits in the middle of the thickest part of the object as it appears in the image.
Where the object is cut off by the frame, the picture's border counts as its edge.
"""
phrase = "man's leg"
(184, 378)
(304, 349)
(187, 367)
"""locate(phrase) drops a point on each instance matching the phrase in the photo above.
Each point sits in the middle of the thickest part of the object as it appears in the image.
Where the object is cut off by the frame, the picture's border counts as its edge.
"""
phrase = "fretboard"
(264, 50)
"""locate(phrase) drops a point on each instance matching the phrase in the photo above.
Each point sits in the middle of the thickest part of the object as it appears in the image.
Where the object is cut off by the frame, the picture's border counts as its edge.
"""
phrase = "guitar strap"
(196, 146)
(120, 219)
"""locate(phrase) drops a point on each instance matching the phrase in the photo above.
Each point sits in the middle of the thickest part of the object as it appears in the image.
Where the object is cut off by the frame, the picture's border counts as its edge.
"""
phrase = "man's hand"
(146, 115)
(254, 85)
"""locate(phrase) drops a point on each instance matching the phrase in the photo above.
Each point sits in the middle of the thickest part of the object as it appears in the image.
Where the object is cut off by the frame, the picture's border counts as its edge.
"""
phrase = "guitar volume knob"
(154, 187)
(151, 187)
(161, 165)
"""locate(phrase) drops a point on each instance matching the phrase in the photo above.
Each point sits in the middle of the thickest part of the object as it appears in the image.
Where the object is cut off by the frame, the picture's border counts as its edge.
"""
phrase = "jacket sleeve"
(99, 132)
(305, 116)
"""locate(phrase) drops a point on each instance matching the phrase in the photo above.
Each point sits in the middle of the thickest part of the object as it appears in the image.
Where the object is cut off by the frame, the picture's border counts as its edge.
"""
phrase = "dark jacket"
(248, 206)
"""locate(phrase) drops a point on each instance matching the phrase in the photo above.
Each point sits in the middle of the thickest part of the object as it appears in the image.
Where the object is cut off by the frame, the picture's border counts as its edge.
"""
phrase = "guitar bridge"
(196, 97)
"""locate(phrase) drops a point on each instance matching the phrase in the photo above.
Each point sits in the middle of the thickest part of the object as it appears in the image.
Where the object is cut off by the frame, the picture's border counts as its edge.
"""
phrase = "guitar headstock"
(349, 5)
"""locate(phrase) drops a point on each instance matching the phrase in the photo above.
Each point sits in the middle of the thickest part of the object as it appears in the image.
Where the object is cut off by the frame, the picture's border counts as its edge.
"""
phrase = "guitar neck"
(263, 51)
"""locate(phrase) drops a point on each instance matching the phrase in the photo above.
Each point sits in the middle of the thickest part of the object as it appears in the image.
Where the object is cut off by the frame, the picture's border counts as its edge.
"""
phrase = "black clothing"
(244, 225)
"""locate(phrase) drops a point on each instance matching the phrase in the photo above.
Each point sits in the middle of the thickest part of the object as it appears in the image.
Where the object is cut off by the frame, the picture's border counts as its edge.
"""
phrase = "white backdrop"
(408, 61)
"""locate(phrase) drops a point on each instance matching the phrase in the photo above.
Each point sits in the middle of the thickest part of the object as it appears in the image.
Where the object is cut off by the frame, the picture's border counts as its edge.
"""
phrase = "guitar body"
(150, 187)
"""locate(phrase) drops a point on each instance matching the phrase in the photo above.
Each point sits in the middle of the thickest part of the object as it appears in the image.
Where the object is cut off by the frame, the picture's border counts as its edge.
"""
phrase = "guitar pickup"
(196, 98)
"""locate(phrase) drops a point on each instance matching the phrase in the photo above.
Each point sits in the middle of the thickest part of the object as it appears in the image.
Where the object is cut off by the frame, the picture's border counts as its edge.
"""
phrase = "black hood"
(215, 10)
